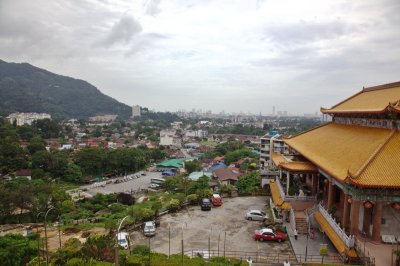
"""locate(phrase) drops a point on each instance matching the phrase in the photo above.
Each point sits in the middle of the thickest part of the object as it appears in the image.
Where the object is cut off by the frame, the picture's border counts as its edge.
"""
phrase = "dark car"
(205, 204)
(267, 234)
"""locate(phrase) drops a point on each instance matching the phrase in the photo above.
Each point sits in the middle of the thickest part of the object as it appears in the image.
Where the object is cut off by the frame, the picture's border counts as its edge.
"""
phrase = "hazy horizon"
(236, 56)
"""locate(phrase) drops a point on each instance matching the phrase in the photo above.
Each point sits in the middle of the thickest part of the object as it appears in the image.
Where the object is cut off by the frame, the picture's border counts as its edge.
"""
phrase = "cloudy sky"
(228, 55)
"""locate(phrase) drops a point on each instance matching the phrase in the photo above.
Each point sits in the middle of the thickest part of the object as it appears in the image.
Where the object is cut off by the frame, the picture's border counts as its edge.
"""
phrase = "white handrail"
(348, 240)
(293, 198)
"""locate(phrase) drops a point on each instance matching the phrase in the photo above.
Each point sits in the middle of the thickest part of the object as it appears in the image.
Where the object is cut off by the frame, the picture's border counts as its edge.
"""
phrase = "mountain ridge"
(27, 88)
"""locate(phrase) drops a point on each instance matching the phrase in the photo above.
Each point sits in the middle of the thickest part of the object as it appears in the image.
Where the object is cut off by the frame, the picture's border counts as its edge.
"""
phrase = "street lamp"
(45, 233)
(37, 231)
(116, 249)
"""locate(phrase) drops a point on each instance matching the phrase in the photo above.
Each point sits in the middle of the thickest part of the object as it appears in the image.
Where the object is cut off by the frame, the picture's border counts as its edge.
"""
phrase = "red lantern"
(368, 204)
(326, 181)
(396, 206)
(350, 200)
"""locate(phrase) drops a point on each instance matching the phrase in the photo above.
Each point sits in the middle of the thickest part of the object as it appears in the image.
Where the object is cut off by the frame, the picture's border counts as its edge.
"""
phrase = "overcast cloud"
(226, 55)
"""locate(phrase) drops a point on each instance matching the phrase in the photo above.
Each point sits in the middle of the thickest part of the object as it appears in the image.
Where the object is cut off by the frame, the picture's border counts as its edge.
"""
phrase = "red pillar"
(355, 209)
(314, 184)
(346, 211)
(376, 230)
(330, 194)
(366, 221)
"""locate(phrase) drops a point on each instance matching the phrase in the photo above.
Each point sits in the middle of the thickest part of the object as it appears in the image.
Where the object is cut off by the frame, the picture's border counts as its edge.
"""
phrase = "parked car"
(216, 200)
(154, 186)
(256, 215)
(149, 228)
(267, 234)
(205, 204)
(123, 239)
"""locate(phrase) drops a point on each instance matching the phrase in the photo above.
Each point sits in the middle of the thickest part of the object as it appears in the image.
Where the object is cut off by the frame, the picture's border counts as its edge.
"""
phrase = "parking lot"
(124, 184)
(196, 227)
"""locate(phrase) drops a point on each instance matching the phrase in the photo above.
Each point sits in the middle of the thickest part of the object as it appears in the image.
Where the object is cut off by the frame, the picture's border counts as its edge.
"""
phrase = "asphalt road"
(196, 227)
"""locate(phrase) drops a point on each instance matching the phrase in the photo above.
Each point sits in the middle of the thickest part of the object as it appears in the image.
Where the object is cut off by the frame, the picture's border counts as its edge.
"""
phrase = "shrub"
(117, 207)
(140, 250)
(192, 199)
(173, 205)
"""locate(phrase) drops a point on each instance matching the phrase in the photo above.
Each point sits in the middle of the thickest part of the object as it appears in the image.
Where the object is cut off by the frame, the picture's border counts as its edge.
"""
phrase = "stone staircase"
(301, 223)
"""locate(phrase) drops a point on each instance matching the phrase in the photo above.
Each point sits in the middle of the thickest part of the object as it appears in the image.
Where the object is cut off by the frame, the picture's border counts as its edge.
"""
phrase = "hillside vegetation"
(26, 88)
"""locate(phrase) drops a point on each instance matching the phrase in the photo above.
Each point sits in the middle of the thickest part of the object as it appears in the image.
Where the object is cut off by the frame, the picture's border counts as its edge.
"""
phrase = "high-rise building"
(135, 111)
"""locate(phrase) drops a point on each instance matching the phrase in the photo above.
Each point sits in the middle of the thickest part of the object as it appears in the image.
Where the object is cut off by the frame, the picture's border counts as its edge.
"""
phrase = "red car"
(269, 235)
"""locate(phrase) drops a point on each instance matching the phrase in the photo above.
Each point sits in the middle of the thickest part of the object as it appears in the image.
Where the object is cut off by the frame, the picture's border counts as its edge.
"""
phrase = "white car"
(123, 239)
(155, 186)
(256, 215)
(149, 228)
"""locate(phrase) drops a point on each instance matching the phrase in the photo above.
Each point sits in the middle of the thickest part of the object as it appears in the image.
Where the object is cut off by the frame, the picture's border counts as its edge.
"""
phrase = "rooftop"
(365, 156)
(377, 99)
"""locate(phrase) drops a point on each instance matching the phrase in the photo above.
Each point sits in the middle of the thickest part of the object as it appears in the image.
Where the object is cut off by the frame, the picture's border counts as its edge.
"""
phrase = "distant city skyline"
(249, 56)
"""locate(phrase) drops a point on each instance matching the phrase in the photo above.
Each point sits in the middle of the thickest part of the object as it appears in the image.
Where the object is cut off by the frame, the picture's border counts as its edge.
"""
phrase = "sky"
(220, 55)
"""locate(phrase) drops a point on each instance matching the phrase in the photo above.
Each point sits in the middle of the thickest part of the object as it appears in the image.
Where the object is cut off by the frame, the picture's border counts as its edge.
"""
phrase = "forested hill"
(26, 88)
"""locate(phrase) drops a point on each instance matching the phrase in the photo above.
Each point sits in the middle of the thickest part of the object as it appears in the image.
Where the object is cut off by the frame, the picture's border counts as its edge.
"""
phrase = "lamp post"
(116, 249)
(45, 233)
(365, 241)
(37, 231)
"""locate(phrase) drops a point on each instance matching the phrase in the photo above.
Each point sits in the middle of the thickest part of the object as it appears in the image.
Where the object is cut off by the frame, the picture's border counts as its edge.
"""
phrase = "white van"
(149, 228)
(123, 239)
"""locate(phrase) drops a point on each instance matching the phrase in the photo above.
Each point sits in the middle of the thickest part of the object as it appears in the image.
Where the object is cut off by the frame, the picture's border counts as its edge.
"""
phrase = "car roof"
(122, 234)
(151, 223)
(264, 230)
(256, 211)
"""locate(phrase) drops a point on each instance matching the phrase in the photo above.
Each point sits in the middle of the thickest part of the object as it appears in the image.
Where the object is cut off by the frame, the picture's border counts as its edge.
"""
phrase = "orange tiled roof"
(383, 167)
(293, 166)
(278, 158)
(376, 99)
(297, 166)
(276, 196)
(365, 156)
(333, 236)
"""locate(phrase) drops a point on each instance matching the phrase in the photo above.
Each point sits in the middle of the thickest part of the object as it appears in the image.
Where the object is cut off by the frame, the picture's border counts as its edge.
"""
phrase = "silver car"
(256, 215)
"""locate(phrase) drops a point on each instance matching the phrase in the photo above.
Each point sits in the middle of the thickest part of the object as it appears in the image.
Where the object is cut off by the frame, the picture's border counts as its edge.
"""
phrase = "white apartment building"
(26, 118)
(136, 111)
(269, 143)
(169, 138)
(196, 133)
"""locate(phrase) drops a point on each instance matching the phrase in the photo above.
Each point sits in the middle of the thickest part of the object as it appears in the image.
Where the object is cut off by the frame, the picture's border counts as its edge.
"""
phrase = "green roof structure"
(174, 163)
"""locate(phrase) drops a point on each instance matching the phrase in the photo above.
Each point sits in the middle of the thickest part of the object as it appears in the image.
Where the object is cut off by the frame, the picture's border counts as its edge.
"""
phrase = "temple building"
(349, 169)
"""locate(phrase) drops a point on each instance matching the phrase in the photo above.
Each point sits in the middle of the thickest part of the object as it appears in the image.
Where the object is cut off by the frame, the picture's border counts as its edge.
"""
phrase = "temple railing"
(348, 240)
(293, 198)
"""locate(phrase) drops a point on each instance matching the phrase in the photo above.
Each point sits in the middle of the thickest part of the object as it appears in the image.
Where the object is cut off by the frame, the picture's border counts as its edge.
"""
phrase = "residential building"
(136, 111)
(26, 118)
(169, 138)
(269, 143)
(102, 118)
(226, 176)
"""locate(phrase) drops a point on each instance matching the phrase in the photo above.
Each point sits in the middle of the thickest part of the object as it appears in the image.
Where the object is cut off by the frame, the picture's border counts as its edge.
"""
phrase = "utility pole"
(116, 248)
(37, 231)
(45, 234)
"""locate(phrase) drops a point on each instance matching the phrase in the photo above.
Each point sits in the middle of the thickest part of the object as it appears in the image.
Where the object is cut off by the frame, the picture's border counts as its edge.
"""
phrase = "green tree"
(73, 173)
(47, 128)
(247, 183)
(12, 156)
(192, 166)
(36, 143)
(16, 249)
(91, 160)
